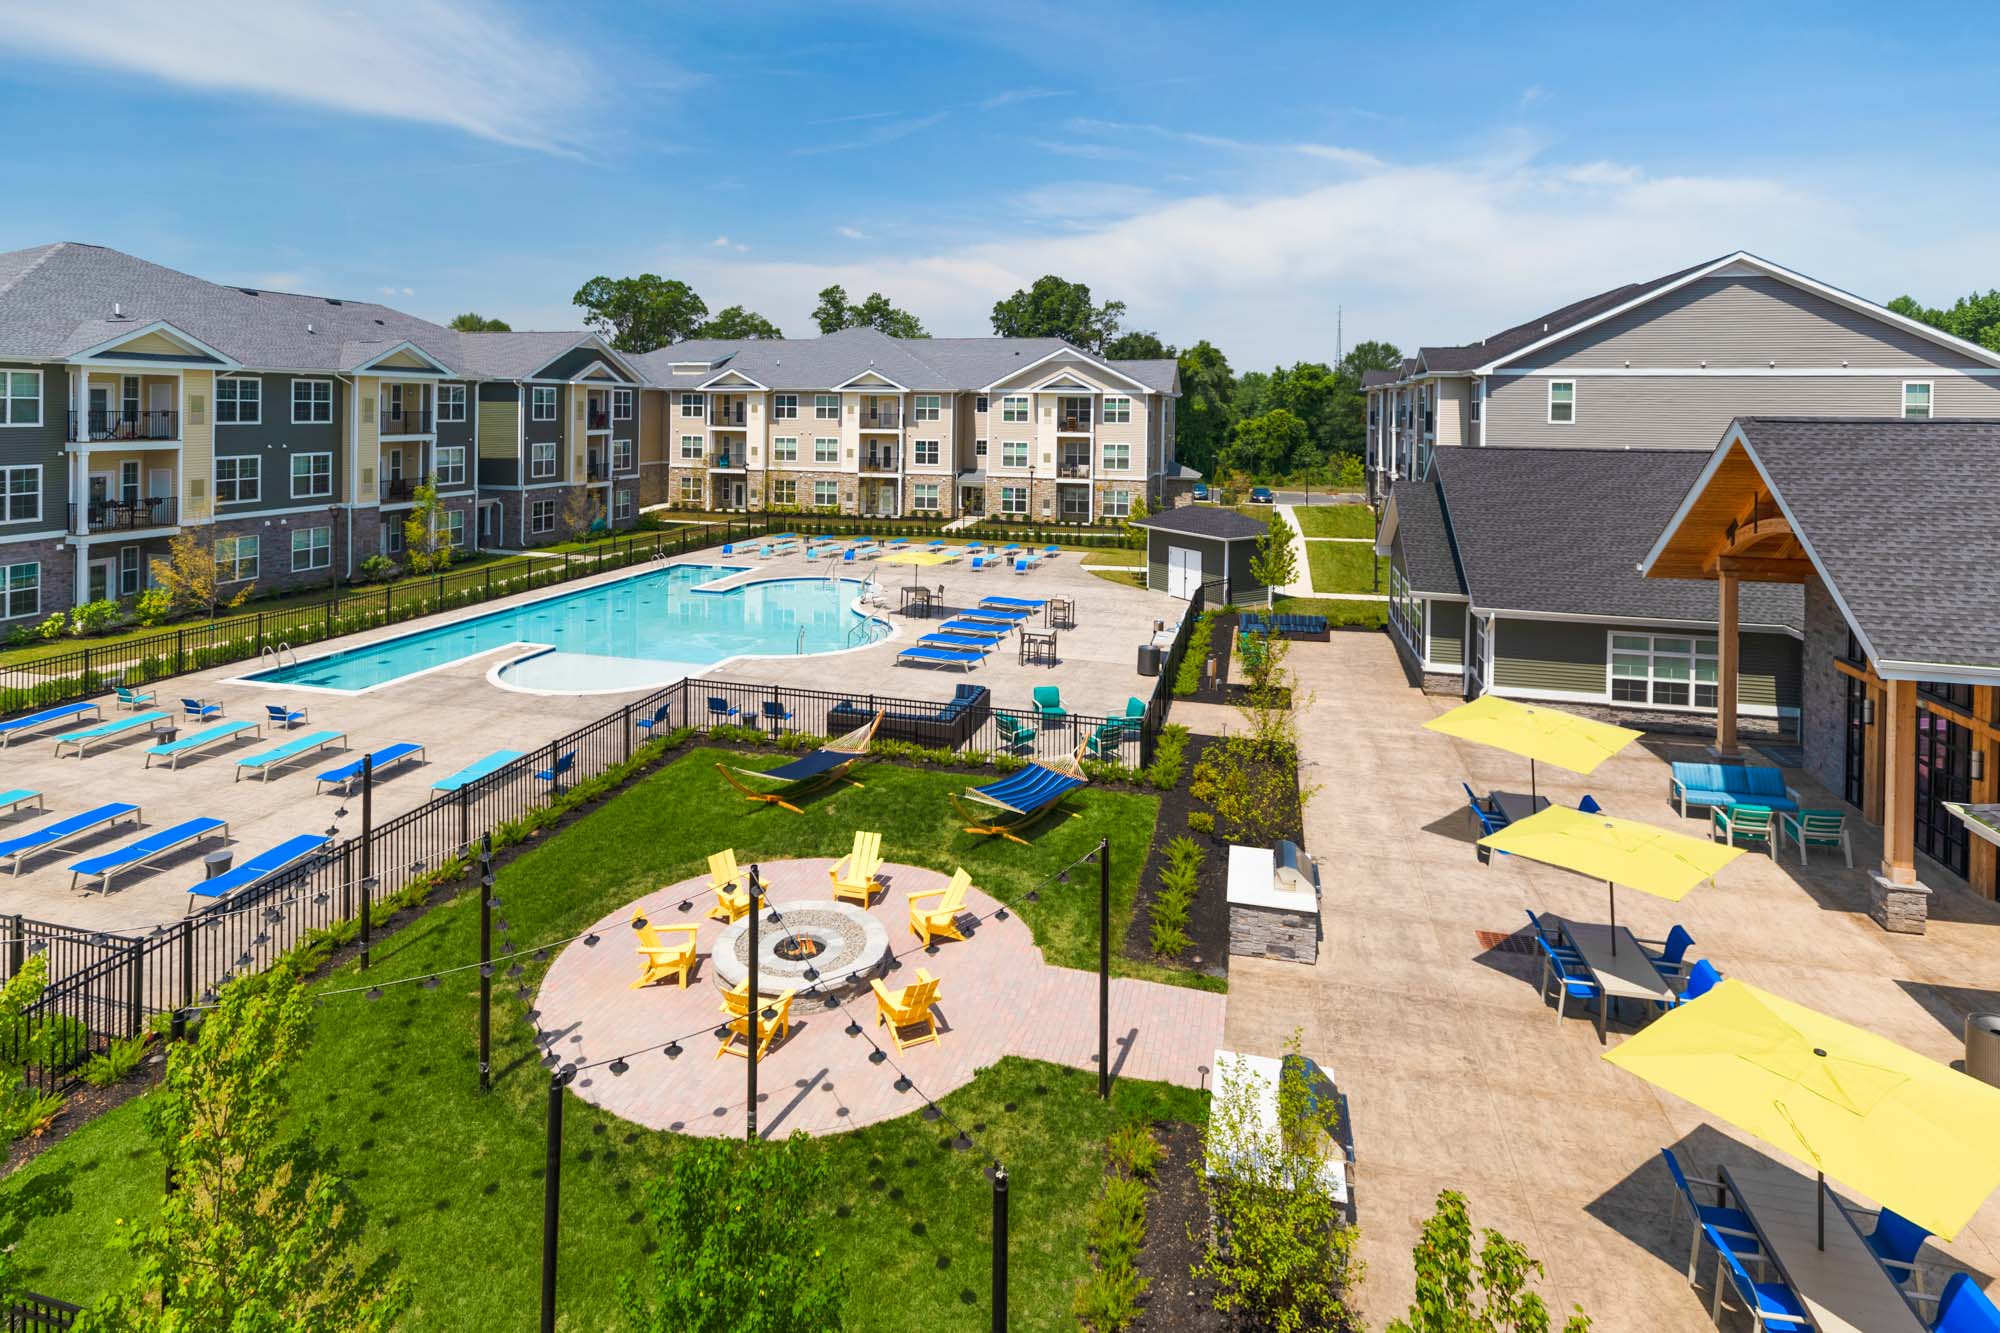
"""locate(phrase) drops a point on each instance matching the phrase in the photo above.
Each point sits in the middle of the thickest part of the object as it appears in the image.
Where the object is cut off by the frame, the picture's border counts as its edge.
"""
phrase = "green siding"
(1549, 655)
(1447, 622)
(570, 362)
(1771, 671)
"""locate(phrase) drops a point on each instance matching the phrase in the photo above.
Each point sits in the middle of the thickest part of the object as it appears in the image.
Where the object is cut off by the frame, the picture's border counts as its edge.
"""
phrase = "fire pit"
(795, 948)
(838, 943)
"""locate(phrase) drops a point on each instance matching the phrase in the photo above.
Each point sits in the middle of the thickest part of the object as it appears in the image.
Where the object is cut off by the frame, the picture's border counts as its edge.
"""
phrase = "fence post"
(187, 964)
(999, 1248)
(552, 1194)
(385, 600)
(180, 651)
(17, 946)
(486, 901)
(1104, 968)
(464, 815)
(331, 604)
(367, 848)
(260, 631)
(137, 994)
(628, 733)
(489, 582)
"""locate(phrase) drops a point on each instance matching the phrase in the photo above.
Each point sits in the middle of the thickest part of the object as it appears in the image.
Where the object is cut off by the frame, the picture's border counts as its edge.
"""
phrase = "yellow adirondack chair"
(731, 885)
(663, 960)
(943, 918)
(736, 1003)
(909, 1007)
(853, 875)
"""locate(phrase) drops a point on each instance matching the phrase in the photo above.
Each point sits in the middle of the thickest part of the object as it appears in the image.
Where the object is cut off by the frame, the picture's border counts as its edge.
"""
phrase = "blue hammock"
(1027, 795)
(802, 775)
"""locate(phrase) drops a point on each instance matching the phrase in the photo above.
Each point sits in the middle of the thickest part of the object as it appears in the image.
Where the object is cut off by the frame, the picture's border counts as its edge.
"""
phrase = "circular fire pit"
(838, 942)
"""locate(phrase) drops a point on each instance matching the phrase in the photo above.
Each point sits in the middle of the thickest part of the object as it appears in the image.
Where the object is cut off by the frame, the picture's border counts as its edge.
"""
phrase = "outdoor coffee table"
(1844, 1287)
(1038, 646)
(1625, 975)
(1518, 805)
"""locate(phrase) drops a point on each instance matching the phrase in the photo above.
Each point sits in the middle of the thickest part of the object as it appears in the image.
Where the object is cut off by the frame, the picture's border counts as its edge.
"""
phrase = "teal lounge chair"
(135, 854)
(1014, 734)
(134, 700)
(924, 655)
(1106, 740)
(968, 643)
(266, 762)
(81, 741)
(471, 773)
(11, 801)
(347, 774)
(286, 855)
(1048, 705)
(175, 750)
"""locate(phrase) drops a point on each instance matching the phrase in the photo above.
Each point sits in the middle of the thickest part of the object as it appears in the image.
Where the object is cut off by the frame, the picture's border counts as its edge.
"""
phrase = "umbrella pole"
(1534, 796)
(1611, 891)
(1821, 1191)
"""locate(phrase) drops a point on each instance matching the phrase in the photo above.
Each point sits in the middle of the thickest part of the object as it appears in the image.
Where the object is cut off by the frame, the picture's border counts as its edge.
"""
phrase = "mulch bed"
(1208, 914)
(82, 1106)
(1176, 1222)
(1221, 642)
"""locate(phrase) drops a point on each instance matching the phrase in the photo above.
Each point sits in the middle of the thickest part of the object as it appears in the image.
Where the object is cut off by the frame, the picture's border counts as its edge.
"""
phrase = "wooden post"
(1728, 657)
(1986, 788)
(1899, 782)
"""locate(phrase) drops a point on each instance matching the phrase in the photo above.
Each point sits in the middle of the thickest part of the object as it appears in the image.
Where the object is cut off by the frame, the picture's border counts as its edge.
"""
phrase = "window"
(1478, 402)
(542, 402)
(621, 404)
(1562, 402)
(239, 479)
(924, 496)
(451, 402)
(826, 407)
(451, 465)
(691, 490)
(621, 505)
(236, 558)
(1013, 499)
(1013, 453)
(312, 476)
(21, 501)
(312, 548)
(979, 403)
(928, 405)
(925, 451)
(131, 565)
(784, 491)
(1674, 670)
(454, 526)
(785, 407)
(1406, 611)
(392, 539)
(21, 587)
(312, 402)
(826, 494)
(784, 448)
(826, 449)
(1117, 458)
(1014, 409)
(541, 516)
(1916, 400)
(693, 406)
(239, 402)
(1117, 411)
(979, 448)
(621, 455)
(1117, 504)
(21, 405)
(542, 460)
(692, 449)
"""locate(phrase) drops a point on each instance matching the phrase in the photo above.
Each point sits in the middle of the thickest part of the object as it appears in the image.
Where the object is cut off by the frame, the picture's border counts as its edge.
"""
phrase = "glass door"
(1944, 773)
(1854, 773)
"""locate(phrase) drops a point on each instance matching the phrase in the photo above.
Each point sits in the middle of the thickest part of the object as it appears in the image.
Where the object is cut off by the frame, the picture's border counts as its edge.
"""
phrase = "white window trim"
(932, 403)
(447, 393)
(784, 490)
(537, 525)
(241, 499)
(236, 558)
(7, 403)
(631, 456)
(700, 448)
(7, 591)
(1027, 456)
(1104, 459)
(536, 448)
(298, 568)
(293, 475)
(535, 392)
(1552, 403)
(1120, 403)
(1027, 500)
(453, 527)
(1930, 400)
(7, 491)
(916, 453)
(621, 398)
(621, 505)
(1027, 406)
(834, 440)
(784, 407)
(699, 405)
(826, 407)
(312, 417)
(1694, 637)
(818, 503)
(437, 464)
(917, 491)
(221, 380)
(780, 445)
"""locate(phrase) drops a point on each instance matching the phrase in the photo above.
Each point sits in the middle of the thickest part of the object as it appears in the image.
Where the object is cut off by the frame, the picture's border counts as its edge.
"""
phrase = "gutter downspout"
(353, 455)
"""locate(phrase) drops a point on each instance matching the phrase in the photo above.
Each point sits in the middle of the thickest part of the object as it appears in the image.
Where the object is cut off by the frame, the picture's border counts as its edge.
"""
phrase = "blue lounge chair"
(1571, 978)
(175, 750)
(48, 717)
(11, 801)
(51, 836)
(776, 714)
(345, 776)
(923, 656)
(1051, 552)
(1014, 603)
(647, 725)
(829, 763)
(982, 562)
(1773, 1306)
(553, 775)
(1964, 1308)
(266, 762)
(260, 867)
(1023, 563)
(721, 708)
(995, 615)
(197, 710)
(970, 644)
(81, 741)
(283, 715)
(973, 629)
(134, 700)
(134, 854)
(1026, 796)
(471, 773)
(1732, 1225)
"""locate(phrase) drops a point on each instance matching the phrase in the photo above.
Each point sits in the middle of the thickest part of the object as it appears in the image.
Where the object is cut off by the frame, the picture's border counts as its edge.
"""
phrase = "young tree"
(731, 1256)
(473, 322)
(1458, 1294)
(191, 573)
(642, 313)
(579, 514)
(426, 540)
(1207, 407)
(1274, 565)
(1139, 345)
(260, 1230)
(834, 313)
(736, 322)
(1055, 308)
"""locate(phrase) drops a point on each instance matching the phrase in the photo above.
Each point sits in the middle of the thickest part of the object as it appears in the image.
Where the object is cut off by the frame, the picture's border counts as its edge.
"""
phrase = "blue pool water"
(650, 629)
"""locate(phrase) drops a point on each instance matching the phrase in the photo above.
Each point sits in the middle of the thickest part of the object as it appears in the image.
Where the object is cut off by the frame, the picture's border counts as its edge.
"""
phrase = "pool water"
(650, 629)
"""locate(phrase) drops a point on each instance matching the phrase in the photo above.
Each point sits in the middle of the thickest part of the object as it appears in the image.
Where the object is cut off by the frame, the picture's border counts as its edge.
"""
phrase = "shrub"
(1187, 679)
(1135, 1151)
(28, 1114)
(1447, 1274)
(153, 606)
(51, 629)
(115, 1061)
(93, 617)
(1167, 941)
(376, 568)
(1169, 757)
(1108, 1299)
(1202, 822)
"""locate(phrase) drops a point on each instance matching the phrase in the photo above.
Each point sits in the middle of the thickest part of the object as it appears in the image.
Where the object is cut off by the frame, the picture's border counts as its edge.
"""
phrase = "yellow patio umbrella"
(913, 558)
(1912, 1134)
(1534, 732)
(1618, 851)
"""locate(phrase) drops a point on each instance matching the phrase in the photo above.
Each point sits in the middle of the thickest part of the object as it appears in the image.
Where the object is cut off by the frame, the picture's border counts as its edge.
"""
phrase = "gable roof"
(1914, 566)
(1562, 531)
(1212, 521)
(1415, 521)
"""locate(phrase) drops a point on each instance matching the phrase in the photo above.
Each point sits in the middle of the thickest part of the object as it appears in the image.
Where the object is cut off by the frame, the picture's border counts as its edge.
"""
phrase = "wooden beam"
(1972, 722)
(1982, 869)
(1863, 672)
(1761, 568)
(1899, 785)
(1727, 644)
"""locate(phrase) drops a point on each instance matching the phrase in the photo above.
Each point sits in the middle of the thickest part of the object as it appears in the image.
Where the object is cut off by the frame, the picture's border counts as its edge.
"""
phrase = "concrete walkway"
(1459, 1074)
(1302, 586)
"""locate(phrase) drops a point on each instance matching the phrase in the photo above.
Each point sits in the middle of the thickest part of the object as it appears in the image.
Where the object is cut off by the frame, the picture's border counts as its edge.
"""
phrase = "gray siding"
(1768, 674)
(1692, 411)
(571, 362)
(274, 439)
(42, 444)
(1230, 560)
(1447, 626)
(1549, 655)
(458, 432)
(1748, 321)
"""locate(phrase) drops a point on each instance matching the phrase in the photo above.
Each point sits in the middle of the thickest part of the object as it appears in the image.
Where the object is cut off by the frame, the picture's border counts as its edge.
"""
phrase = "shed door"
(1183, 571)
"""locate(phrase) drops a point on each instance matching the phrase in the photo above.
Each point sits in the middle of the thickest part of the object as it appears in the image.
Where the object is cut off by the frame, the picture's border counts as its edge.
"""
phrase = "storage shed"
(1196, 544)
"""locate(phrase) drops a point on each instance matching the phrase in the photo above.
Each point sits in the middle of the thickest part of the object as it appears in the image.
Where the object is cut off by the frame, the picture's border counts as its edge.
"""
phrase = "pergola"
(1900, 522)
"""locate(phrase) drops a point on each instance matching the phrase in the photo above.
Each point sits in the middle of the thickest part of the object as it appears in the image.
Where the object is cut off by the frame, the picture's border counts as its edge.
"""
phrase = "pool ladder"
(278, 655)
(799, 646)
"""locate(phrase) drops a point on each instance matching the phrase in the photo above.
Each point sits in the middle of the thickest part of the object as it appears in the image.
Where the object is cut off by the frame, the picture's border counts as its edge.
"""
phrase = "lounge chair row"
(1283, 625)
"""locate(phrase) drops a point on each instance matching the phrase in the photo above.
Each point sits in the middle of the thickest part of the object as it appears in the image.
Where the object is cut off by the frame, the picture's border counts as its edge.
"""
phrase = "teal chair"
(1752, 823)
(1135, 710)
(1014, 735)
(1104, 742)
(1048, 705)
(1816, 828)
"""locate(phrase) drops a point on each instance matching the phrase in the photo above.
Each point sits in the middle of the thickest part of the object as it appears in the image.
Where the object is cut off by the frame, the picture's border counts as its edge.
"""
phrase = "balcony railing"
(1073, 425)
(116, 424)
(878, 460)
(124, 515)
(1071, 469)
(729, 416)
(595, 470)
(596, 418)
(726, 458)
(402, 488)
(406, 421)
(882, 418)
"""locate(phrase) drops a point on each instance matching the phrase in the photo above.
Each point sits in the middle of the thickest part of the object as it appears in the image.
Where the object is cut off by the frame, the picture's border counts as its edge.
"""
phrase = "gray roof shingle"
(1563, 531)
(1904, 517)
(1430, 561)
(1212, 521)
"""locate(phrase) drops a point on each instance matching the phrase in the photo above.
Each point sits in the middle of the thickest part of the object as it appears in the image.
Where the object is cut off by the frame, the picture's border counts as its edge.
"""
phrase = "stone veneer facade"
(1823, 690)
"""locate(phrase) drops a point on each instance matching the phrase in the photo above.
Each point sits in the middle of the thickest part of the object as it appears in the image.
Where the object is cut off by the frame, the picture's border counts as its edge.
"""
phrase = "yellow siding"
(499, 430)
(154, 342)
(369, 439)
(197, 446)
(405, 358)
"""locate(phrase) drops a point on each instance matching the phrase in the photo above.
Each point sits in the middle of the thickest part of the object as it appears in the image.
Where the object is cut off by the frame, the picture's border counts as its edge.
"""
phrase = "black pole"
(486, 962)
(752, 1007)
(552, 1194)
(367, 847)
(1104, 968)
(999, 1248)
(175, 1035)
(1819, 1197)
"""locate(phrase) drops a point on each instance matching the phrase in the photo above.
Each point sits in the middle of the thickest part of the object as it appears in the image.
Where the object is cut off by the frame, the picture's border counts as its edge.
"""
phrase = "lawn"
(452, 1177)
(1335, 520)
(1124, 578)
(1098, 555)
(1338, 611)
(1346, 567)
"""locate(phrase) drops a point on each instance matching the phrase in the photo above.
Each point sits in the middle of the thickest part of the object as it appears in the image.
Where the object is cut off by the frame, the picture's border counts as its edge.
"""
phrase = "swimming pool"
(646, 630)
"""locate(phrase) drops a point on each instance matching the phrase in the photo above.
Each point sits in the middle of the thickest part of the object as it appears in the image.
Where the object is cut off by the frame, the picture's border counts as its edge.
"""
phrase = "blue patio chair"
(1897, 1241)
(659, 719)
(200, 711)
(1491, 821)
(1701, 979)
(1964, 1308)
(721, 708)
(776, 713)
(1670, 955)
(1773, 1306)
(1589, 805)
(1732, 1225)
(554, 774)
(282, 715)
(1551, 934)
(1572, 979)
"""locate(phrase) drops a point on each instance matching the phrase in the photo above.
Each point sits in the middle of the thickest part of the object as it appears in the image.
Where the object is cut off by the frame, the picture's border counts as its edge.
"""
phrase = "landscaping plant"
(1458, 1292)
(192, 576)
(46, 1041)
(115, 1062)
(426, 540)
(1108, 1299)
(1273, 564)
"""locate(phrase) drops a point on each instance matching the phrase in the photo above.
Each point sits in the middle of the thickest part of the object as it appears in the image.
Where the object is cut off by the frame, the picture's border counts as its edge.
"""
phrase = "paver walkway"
(997, 997)
(1460, 1076)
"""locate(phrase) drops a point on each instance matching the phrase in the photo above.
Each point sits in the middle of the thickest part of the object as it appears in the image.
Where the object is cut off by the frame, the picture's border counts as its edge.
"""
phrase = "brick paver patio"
(997, 998)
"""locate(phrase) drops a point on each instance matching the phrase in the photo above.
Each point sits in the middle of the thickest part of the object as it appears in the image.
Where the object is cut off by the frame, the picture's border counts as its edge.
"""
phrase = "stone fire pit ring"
(851, 945)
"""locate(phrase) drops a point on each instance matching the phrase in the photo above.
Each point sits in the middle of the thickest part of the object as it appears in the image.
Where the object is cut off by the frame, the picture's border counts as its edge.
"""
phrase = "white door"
(1183, 572)
(160, 483)
(162, 397)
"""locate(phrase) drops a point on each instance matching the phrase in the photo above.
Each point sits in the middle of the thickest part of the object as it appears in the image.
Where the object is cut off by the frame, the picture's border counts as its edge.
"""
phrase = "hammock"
(827, 764)
(1027, 795)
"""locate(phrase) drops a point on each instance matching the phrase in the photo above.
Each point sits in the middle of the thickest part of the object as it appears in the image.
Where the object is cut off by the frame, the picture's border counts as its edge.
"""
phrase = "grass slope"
(1335, 520)
(453, 1177)
(1346, 567)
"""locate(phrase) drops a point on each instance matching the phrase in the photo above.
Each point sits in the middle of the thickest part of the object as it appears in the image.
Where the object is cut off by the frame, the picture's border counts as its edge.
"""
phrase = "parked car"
(1261, 495)
(1201, 490)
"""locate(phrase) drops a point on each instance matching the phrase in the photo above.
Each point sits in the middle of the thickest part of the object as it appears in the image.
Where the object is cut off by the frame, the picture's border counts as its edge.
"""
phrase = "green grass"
(1125, 578)
(1374, 614)
(1346, 567)
(1335, 520)
(1115, 556)
(452, 1177)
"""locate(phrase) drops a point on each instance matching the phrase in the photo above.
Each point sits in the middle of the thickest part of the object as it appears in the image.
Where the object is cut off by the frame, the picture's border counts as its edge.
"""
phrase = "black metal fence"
(27, 1312)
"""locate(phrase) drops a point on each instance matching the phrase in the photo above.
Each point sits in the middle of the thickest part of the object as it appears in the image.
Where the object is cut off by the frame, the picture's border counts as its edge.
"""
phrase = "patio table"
(1844, 1287)
(1518, 805)
(1626, 974)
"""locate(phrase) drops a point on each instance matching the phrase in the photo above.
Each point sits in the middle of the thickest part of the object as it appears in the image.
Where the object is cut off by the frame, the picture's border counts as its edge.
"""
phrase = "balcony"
(881, 418)
(595, 470)
(100, 425)
(405, 420)
(400, 489)
(597, 418)
(1073, 425)
(161, 511)
(727, 416)
(1073, 472)
(725, 460)
(879, 460)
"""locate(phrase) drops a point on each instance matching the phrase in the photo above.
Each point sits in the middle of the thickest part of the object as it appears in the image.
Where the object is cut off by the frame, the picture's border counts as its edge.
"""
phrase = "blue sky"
(1232, 172)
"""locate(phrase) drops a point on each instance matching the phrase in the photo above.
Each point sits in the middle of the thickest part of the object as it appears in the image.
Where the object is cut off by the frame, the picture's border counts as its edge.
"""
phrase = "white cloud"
(1532, 94)
(399, 291)
(1097, 152)
(1353, 157)
(724, 243)
(851, 233)
(881, 133)
(1012, 95)
(442, 62)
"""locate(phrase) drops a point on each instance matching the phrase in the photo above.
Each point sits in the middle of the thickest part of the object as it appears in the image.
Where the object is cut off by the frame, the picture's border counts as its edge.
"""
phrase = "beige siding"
(197, 446)
(499, 430)
(1453, 399)
(368, 435)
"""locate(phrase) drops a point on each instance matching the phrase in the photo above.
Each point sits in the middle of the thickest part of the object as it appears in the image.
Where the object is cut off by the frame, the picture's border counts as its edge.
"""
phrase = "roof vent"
(378, 321)
(311, 329)
(249, 291)
(117, 310)
(1545, 326)
(331, 301)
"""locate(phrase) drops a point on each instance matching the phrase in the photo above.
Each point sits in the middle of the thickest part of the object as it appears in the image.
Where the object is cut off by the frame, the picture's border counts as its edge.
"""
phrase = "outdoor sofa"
(1725, 785)
(948, 724)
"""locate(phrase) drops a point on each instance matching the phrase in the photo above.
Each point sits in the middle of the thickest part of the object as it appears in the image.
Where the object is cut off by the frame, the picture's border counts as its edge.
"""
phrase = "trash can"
(1149, 659)
(1982, 1047)
(216, 863)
